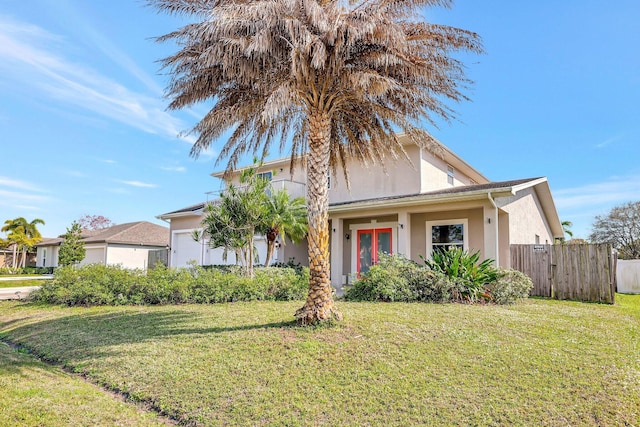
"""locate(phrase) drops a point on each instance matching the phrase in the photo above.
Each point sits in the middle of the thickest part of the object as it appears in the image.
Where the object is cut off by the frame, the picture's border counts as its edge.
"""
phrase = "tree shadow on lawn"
(60, 339)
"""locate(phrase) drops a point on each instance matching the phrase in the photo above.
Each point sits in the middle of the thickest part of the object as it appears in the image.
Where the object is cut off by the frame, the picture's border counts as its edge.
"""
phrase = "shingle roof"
(452, 190)
(133, 233)
(191, 208)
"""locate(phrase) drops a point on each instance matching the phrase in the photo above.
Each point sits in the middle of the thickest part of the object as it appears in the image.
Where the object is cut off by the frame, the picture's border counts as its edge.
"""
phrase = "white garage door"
(185, 249)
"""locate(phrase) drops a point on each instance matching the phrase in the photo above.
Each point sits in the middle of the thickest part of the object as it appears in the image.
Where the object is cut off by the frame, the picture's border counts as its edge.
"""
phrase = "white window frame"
(265, 175)
(465, 232)
(451, 173)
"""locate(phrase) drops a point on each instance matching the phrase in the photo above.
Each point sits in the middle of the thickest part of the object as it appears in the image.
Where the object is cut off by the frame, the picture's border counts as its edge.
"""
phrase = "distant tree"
(576, 242)
(72, 249)
(94, 222)
(233, 222)
(284, 217)
(23, 235)
(621, 228)
(566, 228)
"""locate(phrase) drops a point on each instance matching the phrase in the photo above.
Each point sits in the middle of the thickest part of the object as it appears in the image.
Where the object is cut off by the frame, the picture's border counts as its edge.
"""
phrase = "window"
(450, 174)
(537, 239)
(442, 235)
(329, 182)
(265, 175)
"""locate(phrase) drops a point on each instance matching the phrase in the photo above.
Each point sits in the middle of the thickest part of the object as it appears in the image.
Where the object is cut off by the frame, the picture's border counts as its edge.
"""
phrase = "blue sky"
(84, 128)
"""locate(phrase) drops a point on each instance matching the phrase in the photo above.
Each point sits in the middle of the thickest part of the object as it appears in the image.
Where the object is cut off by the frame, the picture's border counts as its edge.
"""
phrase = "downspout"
(495, 226)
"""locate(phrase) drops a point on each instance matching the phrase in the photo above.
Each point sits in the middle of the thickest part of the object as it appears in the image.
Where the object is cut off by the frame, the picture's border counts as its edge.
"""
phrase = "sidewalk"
(16, 293)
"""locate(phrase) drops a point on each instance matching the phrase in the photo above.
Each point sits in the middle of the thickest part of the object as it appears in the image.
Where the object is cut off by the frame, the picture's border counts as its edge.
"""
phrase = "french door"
(370, 243)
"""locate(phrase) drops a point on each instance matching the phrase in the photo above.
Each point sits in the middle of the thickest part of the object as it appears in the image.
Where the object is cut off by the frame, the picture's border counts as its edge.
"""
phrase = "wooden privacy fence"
(572, 272)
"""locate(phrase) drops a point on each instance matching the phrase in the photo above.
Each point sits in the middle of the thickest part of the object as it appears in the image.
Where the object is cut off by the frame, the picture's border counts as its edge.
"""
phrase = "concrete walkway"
(23, 291)
(38, 277)
(16, 293)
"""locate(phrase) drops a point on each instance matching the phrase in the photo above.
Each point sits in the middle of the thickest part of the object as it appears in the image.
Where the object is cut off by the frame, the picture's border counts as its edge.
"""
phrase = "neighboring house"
(435, 201)
(128, 245)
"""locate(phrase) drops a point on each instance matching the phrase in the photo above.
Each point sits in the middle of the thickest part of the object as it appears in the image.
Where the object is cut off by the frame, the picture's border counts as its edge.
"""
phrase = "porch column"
(404, 234)
(337, 248)
(490, 220)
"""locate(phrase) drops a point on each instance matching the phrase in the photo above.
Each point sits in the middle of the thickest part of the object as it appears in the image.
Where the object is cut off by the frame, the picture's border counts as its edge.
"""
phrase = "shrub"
(396, 278)
(509, 286)
(37, 270)
(467, 274)
(113, 285)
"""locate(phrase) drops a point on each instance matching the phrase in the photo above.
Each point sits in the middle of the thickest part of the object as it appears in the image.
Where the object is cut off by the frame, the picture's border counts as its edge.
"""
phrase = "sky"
(84, 127)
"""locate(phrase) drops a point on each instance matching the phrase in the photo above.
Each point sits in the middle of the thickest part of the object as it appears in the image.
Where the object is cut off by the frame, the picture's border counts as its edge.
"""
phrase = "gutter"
(422, 199)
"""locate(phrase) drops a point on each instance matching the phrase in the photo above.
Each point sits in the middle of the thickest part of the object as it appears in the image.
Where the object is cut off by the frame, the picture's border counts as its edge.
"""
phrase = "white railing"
(295, 188)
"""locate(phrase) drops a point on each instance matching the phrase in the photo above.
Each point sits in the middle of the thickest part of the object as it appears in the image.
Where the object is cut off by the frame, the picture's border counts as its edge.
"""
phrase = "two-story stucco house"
(437, 201)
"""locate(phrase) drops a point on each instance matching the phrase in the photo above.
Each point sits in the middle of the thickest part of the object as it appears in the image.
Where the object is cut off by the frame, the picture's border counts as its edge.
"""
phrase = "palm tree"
(23, 235)
(284, 217)
(335, 79)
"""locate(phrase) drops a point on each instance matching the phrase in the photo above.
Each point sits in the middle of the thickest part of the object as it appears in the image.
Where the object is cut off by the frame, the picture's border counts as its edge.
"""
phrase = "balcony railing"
(295, 188)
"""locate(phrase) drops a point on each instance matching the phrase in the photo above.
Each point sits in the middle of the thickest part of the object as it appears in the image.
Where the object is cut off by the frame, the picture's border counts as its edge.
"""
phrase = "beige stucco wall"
(419, 232)
(371, 182)
(433, 173)
(526, 218)
(185, 222)
(298, 252)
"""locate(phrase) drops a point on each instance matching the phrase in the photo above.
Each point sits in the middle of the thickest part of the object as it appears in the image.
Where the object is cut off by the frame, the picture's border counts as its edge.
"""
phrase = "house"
(128, 245)
(433, 202)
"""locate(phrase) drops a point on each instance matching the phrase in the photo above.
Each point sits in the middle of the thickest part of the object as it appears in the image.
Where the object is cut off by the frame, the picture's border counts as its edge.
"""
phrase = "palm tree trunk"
(270, 246)
(319, 306)
(14, 259)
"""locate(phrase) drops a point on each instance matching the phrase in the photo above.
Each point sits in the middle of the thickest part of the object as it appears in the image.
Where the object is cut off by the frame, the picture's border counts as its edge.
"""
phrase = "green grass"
(541, 362)
(35, 394)
(19, 283)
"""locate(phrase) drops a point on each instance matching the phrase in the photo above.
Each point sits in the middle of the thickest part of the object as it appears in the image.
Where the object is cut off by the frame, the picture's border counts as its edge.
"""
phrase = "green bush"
(468, 275)
(395, 278)
(113, 285)
(510, 286)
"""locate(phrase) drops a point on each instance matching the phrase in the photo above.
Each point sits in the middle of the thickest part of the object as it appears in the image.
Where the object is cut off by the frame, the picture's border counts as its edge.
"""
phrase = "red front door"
(370, 243)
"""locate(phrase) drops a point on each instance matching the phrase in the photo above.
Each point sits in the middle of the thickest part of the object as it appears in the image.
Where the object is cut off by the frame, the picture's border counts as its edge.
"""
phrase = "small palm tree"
(284, 217)
(566, 227)
(23, 235)
(335, 78)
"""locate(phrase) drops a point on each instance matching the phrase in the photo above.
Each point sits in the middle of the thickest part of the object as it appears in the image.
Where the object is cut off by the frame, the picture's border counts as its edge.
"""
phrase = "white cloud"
(174, 168)
(10, 198)
(608, 142)
(33, 58)
(28, 208)
(139, 184)
(21, 185)
(109, 161)
(581, 204)
(618, 189)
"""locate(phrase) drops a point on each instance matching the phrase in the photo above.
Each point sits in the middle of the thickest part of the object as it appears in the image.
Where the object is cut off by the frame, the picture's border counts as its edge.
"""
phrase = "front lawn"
(20, 283)
(35, 394)
(540, 362)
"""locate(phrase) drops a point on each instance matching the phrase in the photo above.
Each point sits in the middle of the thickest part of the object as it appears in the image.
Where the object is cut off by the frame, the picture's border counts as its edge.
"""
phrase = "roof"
(141, 233)
(189, 210)
(463, 189)
(491, 190)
